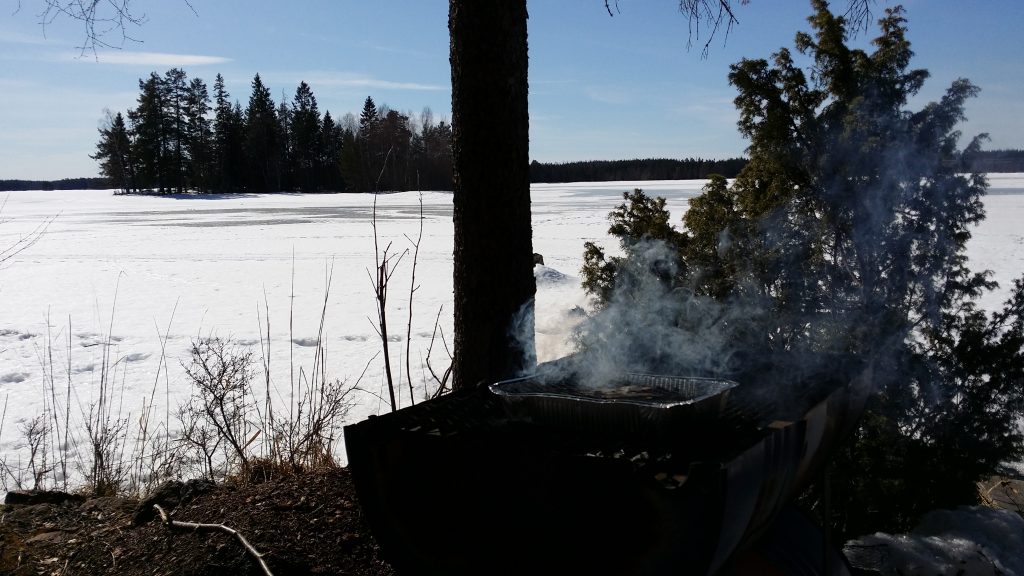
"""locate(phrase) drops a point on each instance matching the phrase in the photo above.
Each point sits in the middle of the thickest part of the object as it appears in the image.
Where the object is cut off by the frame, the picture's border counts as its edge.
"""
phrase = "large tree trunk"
(494, 283)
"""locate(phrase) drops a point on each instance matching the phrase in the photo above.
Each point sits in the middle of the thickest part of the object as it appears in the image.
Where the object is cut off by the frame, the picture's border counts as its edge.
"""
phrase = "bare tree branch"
(719, 14)
(98, 17)
(859, 13)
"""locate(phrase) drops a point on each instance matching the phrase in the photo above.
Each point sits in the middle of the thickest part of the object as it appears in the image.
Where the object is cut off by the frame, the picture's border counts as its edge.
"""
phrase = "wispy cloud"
(348, 80)
(159, 59)
(397, 50)
(561, 81)
(11, 37)
(708, 109)
(607, 94)
(16, 84)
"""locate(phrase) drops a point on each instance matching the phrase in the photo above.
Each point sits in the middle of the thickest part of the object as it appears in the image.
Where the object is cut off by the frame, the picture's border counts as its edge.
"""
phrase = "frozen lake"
(140, 269)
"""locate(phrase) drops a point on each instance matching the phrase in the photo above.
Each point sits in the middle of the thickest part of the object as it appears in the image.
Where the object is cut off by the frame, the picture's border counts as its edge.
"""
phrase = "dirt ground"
(305, 524)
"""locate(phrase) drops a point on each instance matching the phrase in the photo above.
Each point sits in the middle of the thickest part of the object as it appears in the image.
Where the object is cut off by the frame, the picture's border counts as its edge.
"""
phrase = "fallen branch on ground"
(215, 528)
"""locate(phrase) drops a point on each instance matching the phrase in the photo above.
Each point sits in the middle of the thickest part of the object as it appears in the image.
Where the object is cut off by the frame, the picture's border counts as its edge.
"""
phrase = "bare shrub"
(222, 421)
(216, 416)
(307, 441)
(107, 469)
(164, 461)
(198, 442)
(35, 432)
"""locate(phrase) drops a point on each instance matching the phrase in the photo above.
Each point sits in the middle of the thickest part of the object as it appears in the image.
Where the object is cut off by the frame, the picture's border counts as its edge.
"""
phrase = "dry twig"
(197, 527)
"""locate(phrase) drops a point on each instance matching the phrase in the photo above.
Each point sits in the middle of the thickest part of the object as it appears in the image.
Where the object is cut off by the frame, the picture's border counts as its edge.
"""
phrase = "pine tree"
(175, 90)
(393, 137)
(199, 136)
(493, 256)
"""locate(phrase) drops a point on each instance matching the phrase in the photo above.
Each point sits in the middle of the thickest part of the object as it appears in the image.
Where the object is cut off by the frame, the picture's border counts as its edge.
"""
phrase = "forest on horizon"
(178, 139)
(995, 161)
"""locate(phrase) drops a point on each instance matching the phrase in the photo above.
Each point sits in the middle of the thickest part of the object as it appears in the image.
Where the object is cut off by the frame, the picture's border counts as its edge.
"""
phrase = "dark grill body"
(529, 478)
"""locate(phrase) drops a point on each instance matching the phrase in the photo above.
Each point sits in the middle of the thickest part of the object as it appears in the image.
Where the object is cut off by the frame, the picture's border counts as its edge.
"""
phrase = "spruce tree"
(285, 152)
(368, 117)
(306, 138)
(369, 153)
(149, 126)
(329, 155)
(261, 139)
(228, 141)
(437, 151)
(351, 161)
(198, 136)
(113, 152)
(847, 231)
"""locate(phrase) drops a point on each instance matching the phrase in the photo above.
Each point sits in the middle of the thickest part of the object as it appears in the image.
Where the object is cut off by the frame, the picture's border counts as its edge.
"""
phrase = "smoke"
(521, 332)
(837, 274)
(792, 316)
(654, 325)
(560, 307)
(650, 324)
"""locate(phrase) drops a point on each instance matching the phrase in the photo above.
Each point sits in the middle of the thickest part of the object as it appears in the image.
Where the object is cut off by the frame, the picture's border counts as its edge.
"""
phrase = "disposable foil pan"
(635, 404)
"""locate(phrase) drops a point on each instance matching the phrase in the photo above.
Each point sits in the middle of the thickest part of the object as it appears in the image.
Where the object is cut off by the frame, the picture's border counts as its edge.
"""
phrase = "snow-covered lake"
(144, 269)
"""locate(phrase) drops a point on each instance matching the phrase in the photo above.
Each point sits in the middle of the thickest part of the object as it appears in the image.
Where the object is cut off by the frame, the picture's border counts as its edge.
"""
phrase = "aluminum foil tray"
(635, 404)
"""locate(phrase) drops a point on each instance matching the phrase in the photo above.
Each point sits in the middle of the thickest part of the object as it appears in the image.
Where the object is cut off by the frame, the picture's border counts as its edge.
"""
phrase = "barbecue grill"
(667, 474)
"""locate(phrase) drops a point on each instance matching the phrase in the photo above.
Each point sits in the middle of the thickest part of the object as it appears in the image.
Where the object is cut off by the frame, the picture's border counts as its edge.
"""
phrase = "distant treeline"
(178, 139)
(645, 169)
(998, 161)
(586, 171)
(698, 168)
(64, 184)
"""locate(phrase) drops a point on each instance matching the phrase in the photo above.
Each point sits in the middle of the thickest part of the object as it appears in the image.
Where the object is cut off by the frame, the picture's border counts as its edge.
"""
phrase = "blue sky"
(601, 87)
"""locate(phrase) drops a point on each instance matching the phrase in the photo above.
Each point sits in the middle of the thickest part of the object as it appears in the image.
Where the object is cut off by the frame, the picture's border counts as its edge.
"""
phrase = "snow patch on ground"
(143, 272)
(14, 377)
(967, 541)
(546, 275)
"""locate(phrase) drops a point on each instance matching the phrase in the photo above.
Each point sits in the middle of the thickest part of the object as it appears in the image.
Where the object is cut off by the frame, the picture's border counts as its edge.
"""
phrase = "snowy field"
(146, 270)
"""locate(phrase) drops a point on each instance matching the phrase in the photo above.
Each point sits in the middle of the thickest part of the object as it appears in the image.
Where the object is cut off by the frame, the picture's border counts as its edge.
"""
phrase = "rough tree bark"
(493, 234)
